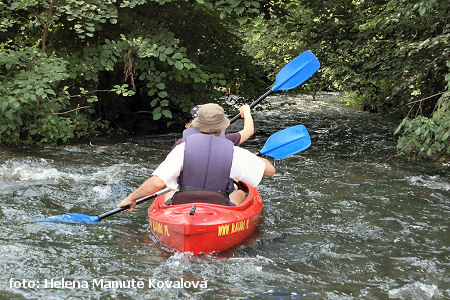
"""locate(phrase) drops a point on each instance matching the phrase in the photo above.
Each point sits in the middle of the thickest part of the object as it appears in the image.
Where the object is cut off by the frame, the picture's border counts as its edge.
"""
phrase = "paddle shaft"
(254, 103)
(139, 201)
(290, 76)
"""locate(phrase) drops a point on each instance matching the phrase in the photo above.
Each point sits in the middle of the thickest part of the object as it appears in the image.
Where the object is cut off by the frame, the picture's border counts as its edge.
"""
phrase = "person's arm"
(269, 169)
(165, 175)
(179, 141)
(249, 128)
(250, 168)
(150, 186)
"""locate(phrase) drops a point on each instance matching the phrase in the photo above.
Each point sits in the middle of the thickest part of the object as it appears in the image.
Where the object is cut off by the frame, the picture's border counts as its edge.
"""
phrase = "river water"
(344, 219)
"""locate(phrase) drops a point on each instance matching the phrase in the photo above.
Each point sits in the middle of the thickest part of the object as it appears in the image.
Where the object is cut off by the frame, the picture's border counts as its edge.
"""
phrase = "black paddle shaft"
(254, 103)
(139, 201)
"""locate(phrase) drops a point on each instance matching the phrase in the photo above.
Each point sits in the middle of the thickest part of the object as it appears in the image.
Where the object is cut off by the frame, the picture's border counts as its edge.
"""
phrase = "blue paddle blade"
(71, 218)
(296, 72)
(287, 142)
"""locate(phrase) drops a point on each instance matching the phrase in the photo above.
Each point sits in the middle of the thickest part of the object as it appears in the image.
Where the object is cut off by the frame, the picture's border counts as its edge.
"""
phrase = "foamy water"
(345, 219)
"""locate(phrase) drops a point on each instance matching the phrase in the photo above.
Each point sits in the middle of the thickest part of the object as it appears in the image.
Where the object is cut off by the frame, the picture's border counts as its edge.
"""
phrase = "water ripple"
(345, 219)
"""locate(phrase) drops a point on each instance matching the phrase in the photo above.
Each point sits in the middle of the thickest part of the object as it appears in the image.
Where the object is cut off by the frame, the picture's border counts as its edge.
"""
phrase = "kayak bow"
(203, 227)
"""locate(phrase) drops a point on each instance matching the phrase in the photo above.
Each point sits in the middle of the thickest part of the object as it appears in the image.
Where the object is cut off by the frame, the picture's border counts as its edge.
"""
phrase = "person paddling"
(202, 167)
(236, 137)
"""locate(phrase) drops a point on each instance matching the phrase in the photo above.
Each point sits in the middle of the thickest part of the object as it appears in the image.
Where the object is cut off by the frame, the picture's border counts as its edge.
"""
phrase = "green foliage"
(32, 98)
(427, 137)
(128, 58)
(388, 56)
(388, 52)
(87, 16)
(352, 99)
(122, 90)
(142, 64)
(247, 11)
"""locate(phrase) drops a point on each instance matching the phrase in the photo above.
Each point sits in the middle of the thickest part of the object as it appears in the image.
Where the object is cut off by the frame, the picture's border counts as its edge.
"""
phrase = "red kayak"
(203, 227)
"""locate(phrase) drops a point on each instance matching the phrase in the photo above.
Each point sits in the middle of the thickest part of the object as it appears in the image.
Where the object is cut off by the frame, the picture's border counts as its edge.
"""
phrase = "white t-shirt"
(245, 167)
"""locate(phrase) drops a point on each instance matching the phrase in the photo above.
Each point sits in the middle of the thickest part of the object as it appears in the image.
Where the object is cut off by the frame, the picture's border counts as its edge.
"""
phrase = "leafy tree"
(388, 55)
(74, 68)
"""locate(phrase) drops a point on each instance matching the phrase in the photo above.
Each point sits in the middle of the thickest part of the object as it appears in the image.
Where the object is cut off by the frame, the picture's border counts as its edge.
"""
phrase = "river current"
(345, 219)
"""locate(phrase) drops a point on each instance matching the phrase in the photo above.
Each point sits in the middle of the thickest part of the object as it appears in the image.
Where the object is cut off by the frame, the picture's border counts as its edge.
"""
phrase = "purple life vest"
(207, 164)
(192, 130)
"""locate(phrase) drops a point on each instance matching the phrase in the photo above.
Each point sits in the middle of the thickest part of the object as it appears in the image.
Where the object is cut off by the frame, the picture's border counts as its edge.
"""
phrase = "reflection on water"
(344, 219)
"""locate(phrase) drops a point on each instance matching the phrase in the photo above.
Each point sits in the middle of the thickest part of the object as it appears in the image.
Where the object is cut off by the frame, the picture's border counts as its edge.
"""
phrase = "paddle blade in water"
(71, 218)
(296, 72)
(287, 142)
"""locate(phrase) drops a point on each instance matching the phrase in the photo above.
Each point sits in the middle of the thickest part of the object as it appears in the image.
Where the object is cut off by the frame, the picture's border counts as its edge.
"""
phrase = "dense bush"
(389, 56)
(427, 137)
(74, 68)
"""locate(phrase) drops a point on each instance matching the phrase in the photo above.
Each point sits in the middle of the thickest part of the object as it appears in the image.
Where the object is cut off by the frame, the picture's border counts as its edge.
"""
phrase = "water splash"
(416, 290)
(435, 182)
(28, 170)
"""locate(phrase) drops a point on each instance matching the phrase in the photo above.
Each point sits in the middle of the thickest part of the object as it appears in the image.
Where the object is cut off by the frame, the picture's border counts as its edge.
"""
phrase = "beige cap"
(211, 118)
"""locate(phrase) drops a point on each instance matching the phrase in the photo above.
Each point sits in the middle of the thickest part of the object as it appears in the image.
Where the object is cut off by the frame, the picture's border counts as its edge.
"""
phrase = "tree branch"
(49, 16)
(72, 110)
(423, 99)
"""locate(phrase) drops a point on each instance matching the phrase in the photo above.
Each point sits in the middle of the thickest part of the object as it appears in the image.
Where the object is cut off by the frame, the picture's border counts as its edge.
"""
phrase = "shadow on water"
(344, 219)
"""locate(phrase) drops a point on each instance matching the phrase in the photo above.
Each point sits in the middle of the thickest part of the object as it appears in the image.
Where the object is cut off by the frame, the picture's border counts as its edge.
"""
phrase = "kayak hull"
(211, 228)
